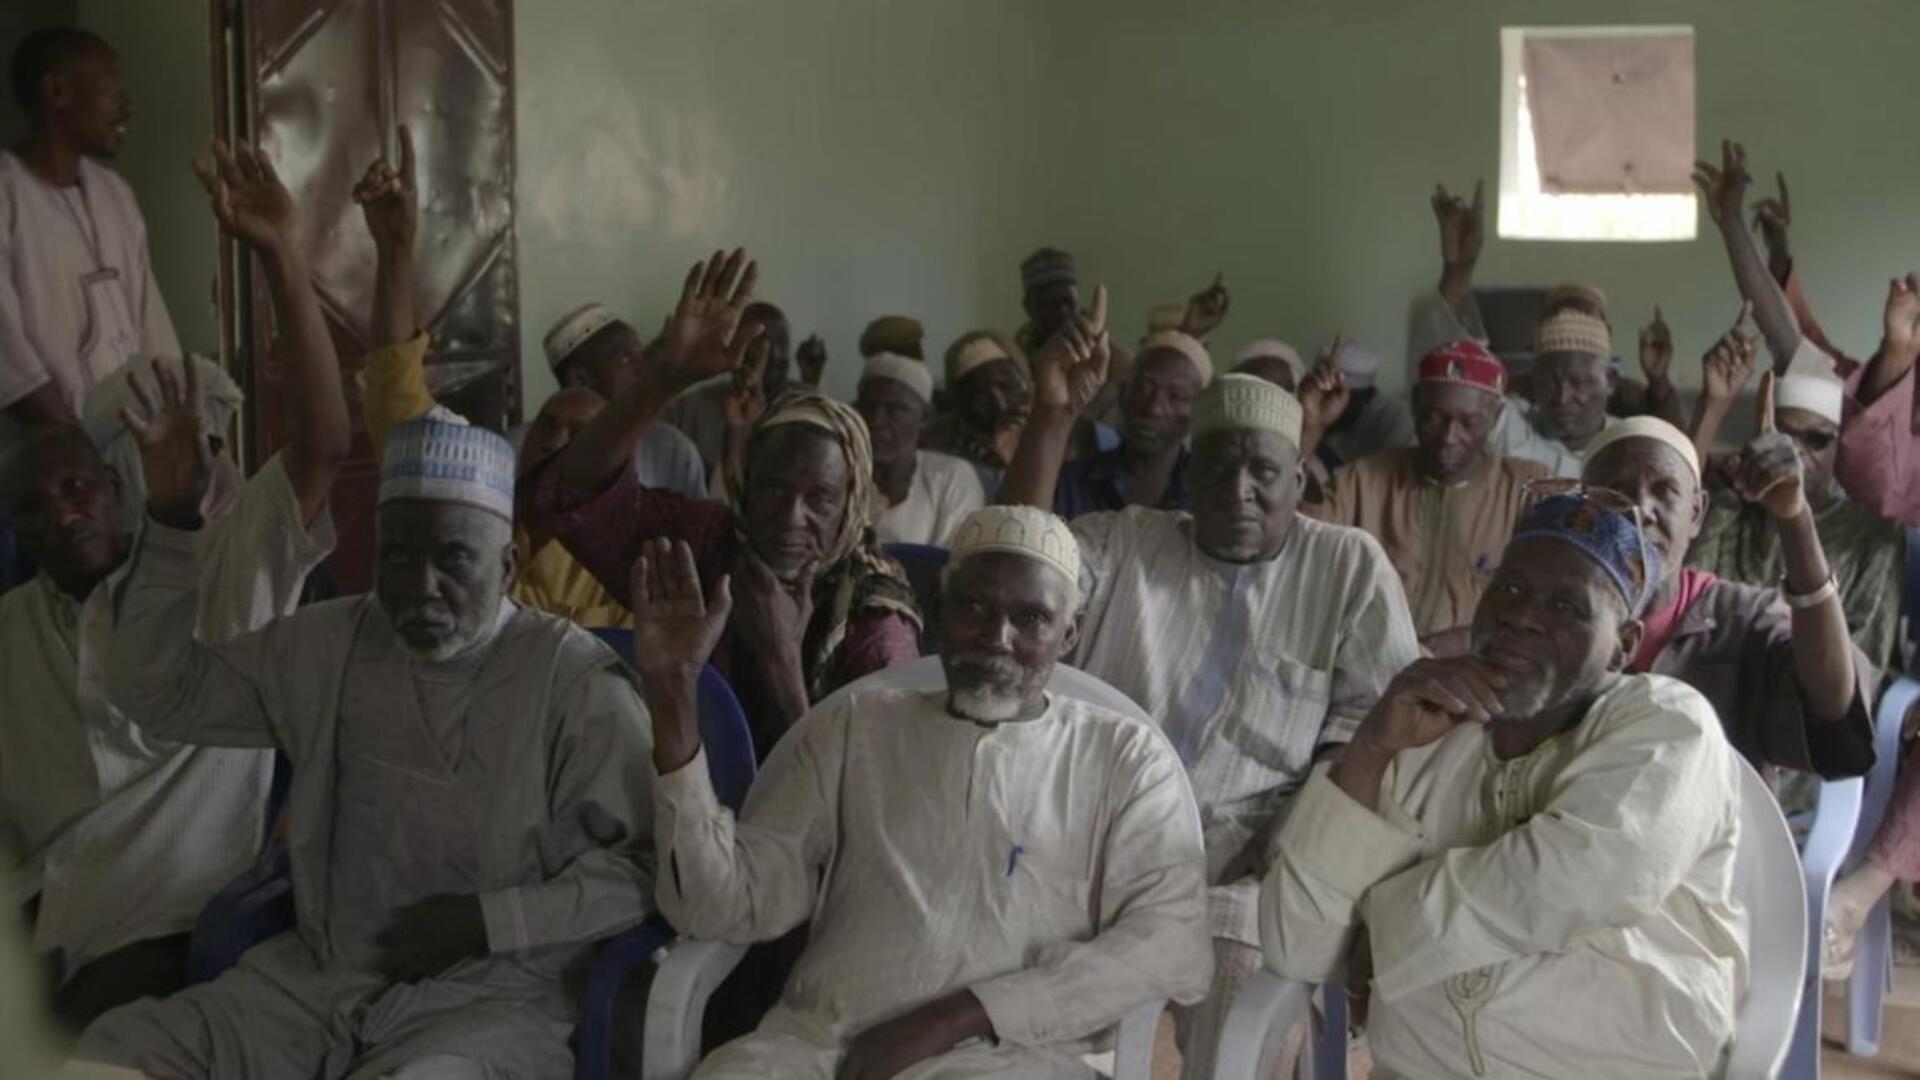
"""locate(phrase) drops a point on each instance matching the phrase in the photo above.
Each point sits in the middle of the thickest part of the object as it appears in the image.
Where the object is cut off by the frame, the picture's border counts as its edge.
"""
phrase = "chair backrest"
(1766, 878)
(923, 564)
(927, 674)
(723, 725)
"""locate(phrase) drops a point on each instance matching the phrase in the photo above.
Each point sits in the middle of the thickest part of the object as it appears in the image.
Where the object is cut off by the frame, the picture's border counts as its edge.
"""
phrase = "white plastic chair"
(689, 971)
(1766, 879)
(1872, 976)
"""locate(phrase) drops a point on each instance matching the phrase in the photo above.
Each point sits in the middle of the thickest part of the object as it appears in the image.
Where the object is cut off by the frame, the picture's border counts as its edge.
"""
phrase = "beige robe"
(1052, 867)
(541, 811)
(1567, 911)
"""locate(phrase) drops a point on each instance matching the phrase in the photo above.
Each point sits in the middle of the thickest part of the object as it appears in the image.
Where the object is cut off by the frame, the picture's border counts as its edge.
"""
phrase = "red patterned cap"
(1464, 363)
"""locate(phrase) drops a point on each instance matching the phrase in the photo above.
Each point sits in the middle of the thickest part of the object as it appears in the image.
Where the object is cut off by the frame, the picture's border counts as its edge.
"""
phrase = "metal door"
(320, 85)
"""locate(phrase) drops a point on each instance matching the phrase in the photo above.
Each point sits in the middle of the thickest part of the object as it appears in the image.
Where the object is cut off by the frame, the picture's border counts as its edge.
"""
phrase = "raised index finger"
(1763, 404)
(406, 155)
(1786, 203)
(1099, 315)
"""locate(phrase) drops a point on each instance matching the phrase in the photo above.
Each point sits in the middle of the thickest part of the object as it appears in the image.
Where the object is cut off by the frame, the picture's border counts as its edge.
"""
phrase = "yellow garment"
(393, 389)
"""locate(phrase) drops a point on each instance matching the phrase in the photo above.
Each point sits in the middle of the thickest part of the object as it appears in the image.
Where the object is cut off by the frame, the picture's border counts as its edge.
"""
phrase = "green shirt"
(1868, 555)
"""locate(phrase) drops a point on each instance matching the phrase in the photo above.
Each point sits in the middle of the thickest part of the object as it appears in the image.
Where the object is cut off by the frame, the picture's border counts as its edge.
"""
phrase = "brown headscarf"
(858, 576)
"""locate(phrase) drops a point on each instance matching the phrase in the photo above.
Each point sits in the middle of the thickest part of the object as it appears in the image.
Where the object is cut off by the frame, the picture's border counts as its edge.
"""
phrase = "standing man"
(77, 294)
(1444, 508)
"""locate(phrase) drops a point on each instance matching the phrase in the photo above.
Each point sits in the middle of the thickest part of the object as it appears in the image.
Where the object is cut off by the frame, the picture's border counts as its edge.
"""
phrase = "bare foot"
(1848, 905)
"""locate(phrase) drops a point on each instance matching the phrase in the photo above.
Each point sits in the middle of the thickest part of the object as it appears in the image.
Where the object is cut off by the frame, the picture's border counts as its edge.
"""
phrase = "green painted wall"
(903, 156)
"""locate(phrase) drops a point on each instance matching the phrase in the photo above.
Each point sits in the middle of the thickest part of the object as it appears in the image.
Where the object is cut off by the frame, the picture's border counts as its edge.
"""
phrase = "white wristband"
(1803, 601)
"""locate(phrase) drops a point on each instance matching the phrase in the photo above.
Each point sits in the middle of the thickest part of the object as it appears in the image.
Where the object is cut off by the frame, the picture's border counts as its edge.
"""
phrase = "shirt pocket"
(1280, 723)
(1047, 899)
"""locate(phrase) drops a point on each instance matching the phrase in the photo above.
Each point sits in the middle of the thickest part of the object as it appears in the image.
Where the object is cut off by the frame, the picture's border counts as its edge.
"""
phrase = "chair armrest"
(1887, 721)
(612, 967)
(1133, 1042)
(687, 975)
(1268, 1008)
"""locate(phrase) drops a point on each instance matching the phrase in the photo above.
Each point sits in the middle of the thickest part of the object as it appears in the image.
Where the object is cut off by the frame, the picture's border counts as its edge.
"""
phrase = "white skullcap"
(573, 330)
(1279, 350)
(1573, 331)
(1810, 384)
(1646, 427)
(1183, 343)
(1237, 402)
(1358, 363)
(440, 457)
(901, 369)
(982, 350)
(1019, 530)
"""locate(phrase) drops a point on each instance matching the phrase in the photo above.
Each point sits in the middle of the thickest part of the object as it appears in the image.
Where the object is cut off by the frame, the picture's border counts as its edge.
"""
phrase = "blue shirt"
(1099, 482)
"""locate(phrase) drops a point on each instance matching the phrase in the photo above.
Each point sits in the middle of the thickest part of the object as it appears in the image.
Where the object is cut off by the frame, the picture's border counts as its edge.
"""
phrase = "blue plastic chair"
(254, 906)
(728, 742)
(924, 564)
(1872, 975)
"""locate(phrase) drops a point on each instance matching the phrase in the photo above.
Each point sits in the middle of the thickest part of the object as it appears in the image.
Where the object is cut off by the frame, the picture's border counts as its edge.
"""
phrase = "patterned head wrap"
(856, 575)
(1609, 538)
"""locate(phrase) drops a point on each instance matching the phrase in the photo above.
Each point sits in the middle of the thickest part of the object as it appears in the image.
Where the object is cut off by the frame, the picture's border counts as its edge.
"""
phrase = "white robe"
(944, 491)
(98, 810)
(77, 293)
(1571, 909)
(543, 813)
(1052, 866)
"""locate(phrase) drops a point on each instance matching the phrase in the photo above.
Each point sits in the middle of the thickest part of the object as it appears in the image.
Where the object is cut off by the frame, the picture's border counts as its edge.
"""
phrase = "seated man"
(1149, 467)
(589, 349)
(994, 875)
(990, 391)
(927, 494)
(469, 808)
(1370, 422)
(1741, 542)
(1779, 668)
(1567, 406)
(1255, 637)
(1529, 830)
(122, 835)
(1444, 508)
(821, 605)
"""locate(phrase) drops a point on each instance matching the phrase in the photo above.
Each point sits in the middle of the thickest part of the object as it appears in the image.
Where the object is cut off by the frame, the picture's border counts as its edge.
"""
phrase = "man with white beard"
(469, 807)
(994, 874)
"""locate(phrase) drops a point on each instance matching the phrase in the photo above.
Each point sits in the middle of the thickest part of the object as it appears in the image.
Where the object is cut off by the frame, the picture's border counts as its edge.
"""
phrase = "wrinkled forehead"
(1570, 365)
(1453, 398)
(1630, 463)
(792, 450)
(1546, 565)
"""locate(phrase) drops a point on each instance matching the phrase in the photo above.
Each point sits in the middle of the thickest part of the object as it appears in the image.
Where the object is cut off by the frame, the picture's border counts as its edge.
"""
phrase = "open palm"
(674, 627)
(248, 197)
(176, 457)
(703, 338)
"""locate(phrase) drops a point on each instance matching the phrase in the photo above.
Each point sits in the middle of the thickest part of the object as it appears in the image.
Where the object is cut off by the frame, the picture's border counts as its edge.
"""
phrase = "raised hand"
(1726, 367)
(1462, 224)
(675, 626)
(389, 198)
(1901, 318)
(1768, 470)
(176, 455)
(1656, 348)
(1069, 372)
(248, 197)
(1324, 395)
(704, 338)
(1772, 216)
(811, 358)
(1723, 190)
(1206, 309)
(428, 937)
